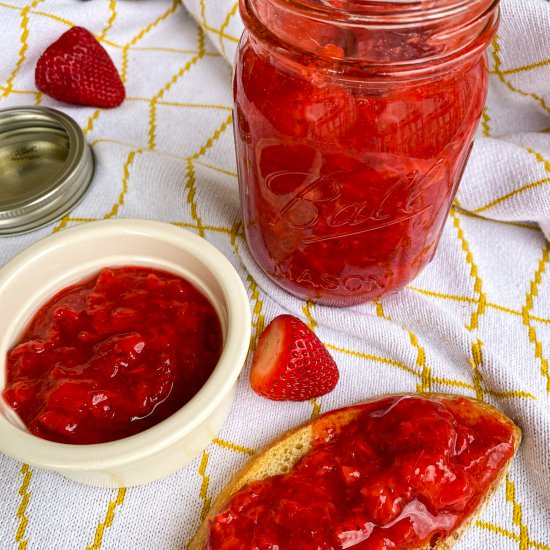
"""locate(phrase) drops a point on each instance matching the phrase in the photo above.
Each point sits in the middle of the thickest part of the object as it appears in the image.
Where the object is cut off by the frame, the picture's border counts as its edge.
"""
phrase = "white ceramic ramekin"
(65, 258)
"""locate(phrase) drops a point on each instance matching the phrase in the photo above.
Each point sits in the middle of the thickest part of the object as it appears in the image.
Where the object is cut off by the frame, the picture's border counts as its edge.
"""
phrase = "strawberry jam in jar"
(353, 124)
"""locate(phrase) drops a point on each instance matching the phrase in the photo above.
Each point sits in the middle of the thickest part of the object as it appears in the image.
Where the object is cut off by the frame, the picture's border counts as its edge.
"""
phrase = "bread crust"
(286, 450)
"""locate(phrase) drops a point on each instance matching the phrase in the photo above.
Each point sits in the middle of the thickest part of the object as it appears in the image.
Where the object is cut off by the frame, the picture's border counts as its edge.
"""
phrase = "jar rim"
(378, 13)
(295, 32)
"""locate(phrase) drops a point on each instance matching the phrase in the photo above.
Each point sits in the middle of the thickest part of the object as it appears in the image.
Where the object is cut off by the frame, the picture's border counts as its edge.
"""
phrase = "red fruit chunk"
(291, 363)
(76, 69)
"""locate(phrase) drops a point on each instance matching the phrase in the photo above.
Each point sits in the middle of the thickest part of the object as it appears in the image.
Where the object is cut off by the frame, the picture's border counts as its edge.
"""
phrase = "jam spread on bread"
(112, 356)
(400, 472)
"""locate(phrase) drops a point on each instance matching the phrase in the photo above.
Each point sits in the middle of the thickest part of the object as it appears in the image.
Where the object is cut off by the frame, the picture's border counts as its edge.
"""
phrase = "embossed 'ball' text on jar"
(353, 124)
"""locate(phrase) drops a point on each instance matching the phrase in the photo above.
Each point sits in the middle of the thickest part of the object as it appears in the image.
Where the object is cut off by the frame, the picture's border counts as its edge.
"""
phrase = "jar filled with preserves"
(353, 123)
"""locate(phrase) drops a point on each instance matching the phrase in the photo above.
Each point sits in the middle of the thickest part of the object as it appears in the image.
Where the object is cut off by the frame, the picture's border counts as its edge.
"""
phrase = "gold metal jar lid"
(46, 166)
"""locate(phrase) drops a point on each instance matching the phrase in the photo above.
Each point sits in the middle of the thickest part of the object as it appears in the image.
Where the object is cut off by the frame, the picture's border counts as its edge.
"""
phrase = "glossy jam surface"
(112, 356)
(346, 184)
(403, 473)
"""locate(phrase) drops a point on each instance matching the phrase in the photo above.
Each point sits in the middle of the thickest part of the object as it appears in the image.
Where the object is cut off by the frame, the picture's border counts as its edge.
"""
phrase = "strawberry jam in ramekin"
(112, 356)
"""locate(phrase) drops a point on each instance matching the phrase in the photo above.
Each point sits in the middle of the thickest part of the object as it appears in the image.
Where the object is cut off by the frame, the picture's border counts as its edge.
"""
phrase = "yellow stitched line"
(112, 9)
(452, 383)
(38, 99)
(141, 34)
(425, 384)
(233, 447)
(380, 310)
(176, 104)
(467, 213)
(208, 28)
(476, 362)
(39, 13)
(376, 358)
(538, 156)
(508, 534)
(485, 120)
(22, 92)
(210, 141)
(159, 151)
(24, 46)
(228, 231)
(533, 292)
(524, 68)
(306, 310)
(426, 376)
(204, 485)
(258, 318)
(129, 160)
(435, 294)
(235, 232)
(517, 514)
(217, 169)
(193, 157)
(221, 34)
(109, 42)
(472, 300)
(518, 394)
(316, 411)
(10, 6)
(172, 81)
(82, 220)
(55, 18)
(190, 176)
(154, 101)
(108, 521)
(225, 24)
(511, 194)
(125, 50)
(500, 74)
(203, 10)
(62, 223)
(174, 50)
(507, 394)
(191, 191)
(91, 120)
(25, 495)
(478, 286)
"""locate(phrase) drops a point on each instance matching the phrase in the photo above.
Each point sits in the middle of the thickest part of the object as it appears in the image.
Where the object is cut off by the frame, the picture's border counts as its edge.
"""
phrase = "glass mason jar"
(353, 124)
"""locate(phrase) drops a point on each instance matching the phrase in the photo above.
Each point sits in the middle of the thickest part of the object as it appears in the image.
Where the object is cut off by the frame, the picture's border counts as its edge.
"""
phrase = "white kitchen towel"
(476, 321)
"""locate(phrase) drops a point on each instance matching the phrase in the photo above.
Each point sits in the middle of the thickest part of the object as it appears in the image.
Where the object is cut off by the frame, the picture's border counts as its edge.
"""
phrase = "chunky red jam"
(112, 356)
(347, 174)
(403, 473)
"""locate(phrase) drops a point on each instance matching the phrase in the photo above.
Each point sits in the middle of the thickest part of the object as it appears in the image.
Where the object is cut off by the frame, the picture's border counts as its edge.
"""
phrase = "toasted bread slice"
(281, 455)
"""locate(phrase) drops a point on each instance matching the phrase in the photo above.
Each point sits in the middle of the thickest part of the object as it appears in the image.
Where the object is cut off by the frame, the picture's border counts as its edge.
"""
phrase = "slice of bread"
(281, 455)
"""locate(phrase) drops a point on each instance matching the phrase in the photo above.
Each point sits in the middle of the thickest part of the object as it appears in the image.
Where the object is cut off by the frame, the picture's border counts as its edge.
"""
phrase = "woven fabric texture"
(476, 321)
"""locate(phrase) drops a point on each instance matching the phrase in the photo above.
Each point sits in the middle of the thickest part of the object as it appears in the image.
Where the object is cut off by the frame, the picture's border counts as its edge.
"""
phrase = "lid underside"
(45, 167)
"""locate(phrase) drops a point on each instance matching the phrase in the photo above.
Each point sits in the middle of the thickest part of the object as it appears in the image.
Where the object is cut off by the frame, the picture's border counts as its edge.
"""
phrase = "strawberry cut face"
(291, 363)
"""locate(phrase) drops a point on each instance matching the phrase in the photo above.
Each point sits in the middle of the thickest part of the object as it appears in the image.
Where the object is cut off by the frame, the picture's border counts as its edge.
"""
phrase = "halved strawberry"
(78, 70)
(291, 363)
